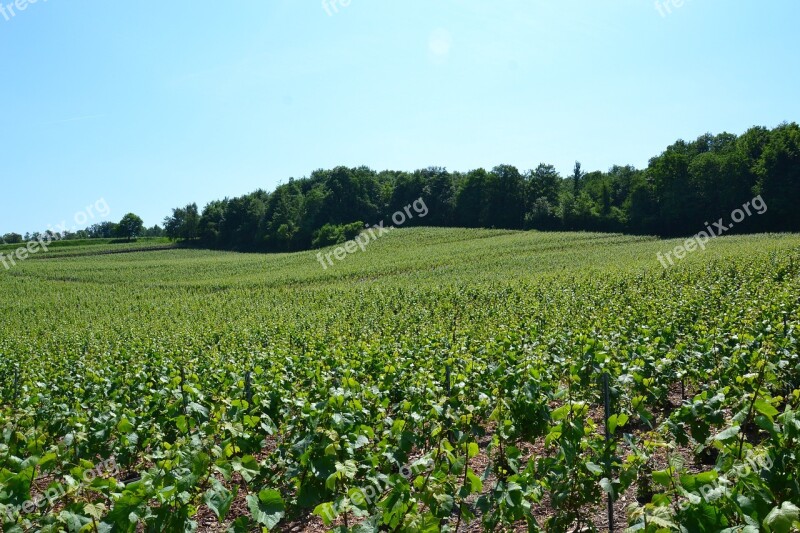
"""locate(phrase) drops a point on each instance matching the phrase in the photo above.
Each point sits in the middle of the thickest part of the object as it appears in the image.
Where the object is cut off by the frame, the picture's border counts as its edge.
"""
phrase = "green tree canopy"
(130, 227)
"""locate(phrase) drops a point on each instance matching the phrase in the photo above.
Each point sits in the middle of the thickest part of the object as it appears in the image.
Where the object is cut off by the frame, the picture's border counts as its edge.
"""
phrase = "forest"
(677, 194)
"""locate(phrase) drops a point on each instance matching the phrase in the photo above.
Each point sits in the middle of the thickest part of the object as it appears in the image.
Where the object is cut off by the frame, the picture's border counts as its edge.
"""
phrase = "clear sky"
(152, 105)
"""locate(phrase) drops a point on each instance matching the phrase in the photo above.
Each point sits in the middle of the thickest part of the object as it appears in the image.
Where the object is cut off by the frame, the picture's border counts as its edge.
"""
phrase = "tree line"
(683, 188)
(128, 228)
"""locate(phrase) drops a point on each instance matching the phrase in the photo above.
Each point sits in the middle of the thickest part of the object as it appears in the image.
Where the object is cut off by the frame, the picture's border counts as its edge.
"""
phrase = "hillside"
(416, 255)
(468, 361)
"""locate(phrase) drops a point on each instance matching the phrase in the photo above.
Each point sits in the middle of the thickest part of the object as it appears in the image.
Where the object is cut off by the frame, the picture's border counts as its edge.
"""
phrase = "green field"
(441, 380)
(89, 246)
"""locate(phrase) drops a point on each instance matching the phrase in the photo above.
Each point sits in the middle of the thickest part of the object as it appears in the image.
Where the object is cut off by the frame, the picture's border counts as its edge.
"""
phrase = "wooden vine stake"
(16, 393)
(607, 398)
(248, 391)
(183, 393)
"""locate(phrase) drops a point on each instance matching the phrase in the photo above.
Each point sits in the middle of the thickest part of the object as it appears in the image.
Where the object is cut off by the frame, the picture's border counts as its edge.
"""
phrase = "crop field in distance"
(441, 380)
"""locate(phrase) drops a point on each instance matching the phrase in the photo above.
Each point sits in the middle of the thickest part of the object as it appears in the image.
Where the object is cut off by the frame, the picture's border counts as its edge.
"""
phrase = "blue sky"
(154, 105)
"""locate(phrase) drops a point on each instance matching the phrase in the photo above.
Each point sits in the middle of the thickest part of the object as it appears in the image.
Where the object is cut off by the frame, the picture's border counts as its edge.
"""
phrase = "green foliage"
(329, 234)
(184, 223)
(417, 386)
(682, 189)
(130, 227)
(12, 238)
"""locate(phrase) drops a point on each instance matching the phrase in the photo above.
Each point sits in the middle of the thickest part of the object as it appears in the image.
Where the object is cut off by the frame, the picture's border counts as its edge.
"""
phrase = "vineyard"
(442, 380)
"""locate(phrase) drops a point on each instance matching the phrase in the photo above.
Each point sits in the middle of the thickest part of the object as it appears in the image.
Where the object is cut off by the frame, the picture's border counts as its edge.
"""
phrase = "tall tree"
(184, 223)
(542, 197)
(470, 207)
(130, 227)
(210, 225)
(505, 198)
(577, 176)
(439, 195)
(778, 172)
